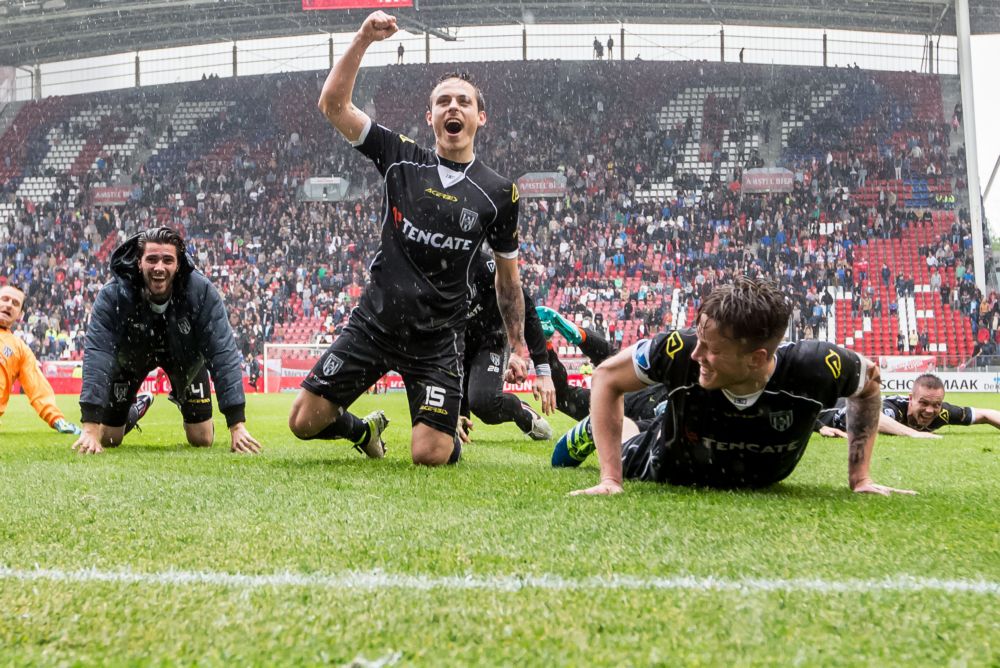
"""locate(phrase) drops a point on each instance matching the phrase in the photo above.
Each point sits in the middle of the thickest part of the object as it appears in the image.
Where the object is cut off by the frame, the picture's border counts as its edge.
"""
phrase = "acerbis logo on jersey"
(184, 325)
(7, 352)
(438, 193)
(675, 344)
(120, 392)
(833, 363)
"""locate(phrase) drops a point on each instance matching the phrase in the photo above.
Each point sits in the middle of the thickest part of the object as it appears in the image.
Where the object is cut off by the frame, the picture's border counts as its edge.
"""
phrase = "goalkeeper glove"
(64, 427)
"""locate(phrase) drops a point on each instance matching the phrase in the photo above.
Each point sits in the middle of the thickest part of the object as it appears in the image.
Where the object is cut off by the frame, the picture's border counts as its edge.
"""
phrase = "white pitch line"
(505, 583)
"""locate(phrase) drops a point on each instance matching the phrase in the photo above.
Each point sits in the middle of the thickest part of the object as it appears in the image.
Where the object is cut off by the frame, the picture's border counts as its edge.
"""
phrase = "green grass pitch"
(129, 557)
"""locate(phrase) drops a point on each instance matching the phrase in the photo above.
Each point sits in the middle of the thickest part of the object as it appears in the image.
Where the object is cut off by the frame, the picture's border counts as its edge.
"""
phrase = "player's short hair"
(162, 235)
(928, 380)
(752, 312)
(466, 77)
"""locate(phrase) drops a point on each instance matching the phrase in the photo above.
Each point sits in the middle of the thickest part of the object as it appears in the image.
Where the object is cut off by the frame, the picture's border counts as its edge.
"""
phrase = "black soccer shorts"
(194, 399)
(431, 371)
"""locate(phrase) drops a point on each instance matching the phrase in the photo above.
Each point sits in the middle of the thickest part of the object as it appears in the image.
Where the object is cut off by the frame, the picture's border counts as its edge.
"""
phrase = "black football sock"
(347, 426)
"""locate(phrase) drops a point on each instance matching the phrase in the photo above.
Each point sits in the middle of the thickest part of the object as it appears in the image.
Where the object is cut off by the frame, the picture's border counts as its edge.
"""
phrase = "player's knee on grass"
(310, 415)
(111, 437)
(430, 447)
(200, 434)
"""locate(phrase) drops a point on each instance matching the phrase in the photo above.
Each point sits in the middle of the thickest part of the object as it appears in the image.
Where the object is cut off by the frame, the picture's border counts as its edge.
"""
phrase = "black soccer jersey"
(486, 325)
(435, 215)
(709, 438)
(897, 407)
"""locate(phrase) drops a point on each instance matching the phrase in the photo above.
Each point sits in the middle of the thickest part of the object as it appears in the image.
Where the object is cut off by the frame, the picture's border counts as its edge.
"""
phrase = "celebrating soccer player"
(741, 407)
(917, 415)
(17, 362)
(438, 206)
(159, 311)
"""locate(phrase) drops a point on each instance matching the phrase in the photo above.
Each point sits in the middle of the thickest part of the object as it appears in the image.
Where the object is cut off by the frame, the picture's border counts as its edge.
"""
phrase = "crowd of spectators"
(234, 186)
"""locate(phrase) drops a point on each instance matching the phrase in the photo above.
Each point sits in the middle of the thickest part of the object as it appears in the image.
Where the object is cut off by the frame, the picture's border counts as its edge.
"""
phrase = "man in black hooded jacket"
(159, 311)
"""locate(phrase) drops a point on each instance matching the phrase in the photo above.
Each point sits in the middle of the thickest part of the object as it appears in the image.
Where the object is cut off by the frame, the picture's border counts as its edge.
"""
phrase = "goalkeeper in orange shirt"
(17, 362)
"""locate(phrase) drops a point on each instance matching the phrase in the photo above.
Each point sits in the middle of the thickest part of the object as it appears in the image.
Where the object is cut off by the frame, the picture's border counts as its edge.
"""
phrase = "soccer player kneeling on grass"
(17, 362)
(438, 206)
(159, 311)
(741, 407)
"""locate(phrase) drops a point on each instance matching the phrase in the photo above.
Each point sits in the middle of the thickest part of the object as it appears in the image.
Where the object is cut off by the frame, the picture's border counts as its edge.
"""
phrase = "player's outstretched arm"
(863, 412)
(887, 425)
(335, 100)
(612, 379)
(987, 416)
(241, 440)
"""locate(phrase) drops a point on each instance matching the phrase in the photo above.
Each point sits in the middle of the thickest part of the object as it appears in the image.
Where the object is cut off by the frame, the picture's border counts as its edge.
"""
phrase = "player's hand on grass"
(464, 429)
(65, 427)
(241, 440)
(926, 434)
(603, 488)
(89, 442)
(832, 432)
(868, 486)
(545, 391)
(379, 26)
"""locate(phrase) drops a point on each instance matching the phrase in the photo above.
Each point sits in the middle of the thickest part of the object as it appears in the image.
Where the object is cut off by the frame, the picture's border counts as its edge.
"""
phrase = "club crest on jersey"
(468, 220)
(120, 391)
(7, 351)
(833, 363)
(495, 359)
(332, 364)
(675, 344)
(184, 325)
(781, 420)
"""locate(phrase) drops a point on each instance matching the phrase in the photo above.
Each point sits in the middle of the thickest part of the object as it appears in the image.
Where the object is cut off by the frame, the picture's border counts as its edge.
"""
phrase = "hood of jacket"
(125, 264)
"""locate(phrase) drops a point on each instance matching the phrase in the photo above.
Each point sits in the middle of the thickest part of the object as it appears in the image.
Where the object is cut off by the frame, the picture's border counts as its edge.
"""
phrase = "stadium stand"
(652, 219)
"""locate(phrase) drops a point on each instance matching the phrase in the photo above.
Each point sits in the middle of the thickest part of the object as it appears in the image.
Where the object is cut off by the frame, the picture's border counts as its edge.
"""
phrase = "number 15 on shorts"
(435, 396)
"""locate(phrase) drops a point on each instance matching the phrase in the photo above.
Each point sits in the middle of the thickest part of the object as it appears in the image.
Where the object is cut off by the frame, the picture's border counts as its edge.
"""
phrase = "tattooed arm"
(863, 410)
(510, 301)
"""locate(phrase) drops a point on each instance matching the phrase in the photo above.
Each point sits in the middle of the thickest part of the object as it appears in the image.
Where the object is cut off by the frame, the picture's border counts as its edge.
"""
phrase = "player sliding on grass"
(740, 409)
(438, 206)
(916, 416)
(159, 311)
(17, 362)
(486, 352)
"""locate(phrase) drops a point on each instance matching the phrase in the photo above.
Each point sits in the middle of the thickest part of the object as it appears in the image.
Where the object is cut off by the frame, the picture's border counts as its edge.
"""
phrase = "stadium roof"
(38, 31)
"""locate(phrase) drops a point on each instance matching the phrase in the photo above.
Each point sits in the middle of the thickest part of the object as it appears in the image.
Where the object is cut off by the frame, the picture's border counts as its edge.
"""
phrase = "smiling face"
(724, 362)
(455, 117)
(158, 265)
(11, 305)
(925, 404)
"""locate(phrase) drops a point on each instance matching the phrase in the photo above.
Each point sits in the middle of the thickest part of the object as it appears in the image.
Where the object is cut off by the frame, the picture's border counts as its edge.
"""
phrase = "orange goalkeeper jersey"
(17, 362)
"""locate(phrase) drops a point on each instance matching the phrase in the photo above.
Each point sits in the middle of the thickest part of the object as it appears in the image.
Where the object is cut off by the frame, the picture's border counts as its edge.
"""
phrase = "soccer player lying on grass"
(922, 412)
(486, 352)
(17, 362)
(438, 206)
(741, 407)
(159, 311)
(575, 401)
